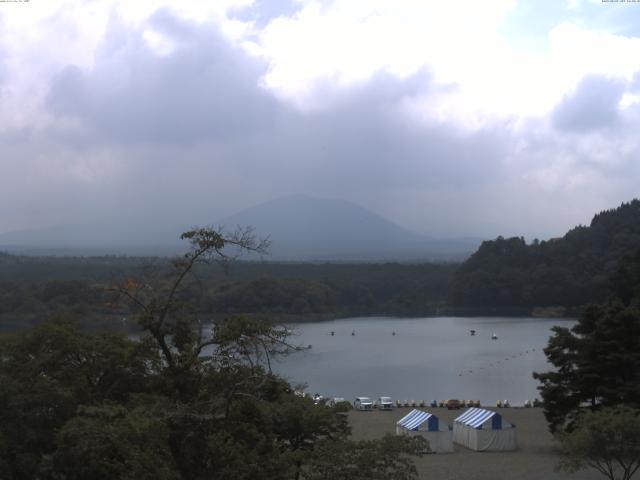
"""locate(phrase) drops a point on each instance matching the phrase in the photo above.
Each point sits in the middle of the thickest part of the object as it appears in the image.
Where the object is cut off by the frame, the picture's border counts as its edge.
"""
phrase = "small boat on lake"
(472, 332)
(494, 336)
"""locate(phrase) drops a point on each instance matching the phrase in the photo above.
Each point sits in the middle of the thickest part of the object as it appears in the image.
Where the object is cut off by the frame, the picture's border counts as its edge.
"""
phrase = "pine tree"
(597, 362)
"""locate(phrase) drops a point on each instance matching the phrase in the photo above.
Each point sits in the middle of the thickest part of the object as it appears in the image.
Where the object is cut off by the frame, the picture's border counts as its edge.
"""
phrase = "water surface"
(427, 358)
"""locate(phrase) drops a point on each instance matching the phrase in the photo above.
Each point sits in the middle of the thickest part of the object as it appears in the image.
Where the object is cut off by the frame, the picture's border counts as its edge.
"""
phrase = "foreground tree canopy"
(598, 360)
(179, 403)
(607, 440)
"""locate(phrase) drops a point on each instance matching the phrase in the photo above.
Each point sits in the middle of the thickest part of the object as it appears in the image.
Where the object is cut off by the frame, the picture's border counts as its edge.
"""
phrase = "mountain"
(570, 271)
(300, 228)
(307, 228)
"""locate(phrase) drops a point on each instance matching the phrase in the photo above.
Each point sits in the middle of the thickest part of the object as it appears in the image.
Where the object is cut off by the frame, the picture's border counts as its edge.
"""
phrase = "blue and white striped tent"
(427, 425)
(417, 418)
(476, 417)
(482, 430)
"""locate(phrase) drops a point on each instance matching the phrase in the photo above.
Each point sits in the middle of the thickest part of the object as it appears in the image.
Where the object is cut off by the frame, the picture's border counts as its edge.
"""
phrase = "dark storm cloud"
(204, 89)
(366, 141)
(593, 105)
(207, 91)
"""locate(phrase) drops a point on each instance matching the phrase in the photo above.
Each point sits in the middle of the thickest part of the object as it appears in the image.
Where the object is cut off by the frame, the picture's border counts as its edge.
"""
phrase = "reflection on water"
(427, 358)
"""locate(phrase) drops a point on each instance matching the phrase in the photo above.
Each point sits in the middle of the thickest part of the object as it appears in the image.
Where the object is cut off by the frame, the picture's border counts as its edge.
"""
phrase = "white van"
(385, 403)
(363, 403)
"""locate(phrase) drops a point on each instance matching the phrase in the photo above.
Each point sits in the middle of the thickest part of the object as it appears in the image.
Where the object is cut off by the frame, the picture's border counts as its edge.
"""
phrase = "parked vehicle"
(363, 403)
(335, 400)
(453, 404)
(385, 403)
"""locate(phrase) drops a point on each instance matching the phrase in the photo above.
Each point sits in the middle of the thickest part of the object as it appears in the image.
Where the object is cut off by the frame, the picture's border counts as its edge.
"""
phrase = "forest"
(35, 288)
(567, 272)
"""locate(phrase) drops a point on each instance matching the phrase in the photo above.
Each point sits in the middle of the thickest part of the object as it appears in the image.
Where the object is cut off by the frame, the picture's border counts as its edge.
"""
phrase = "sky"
(466, 118)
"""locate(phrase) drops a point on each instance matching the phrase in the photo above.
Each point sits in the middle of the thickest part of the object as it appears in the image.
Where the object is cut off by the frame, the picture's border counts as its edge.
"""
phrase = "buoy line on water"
(470, 371)
(497, 363)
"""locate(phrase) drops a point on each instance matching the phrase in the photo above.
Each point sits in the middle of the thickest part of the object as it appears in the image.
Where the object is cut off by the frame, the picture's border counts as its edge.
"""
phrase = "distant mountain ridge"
(300, 228)
(569, 271)
(303, 227)
(109, 237)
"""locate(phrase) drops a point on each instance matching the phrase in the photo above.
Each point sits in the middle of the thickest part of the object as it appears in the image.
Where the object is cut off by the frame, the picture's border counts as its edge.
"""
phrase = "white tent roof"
(414, 419)
(474, 417)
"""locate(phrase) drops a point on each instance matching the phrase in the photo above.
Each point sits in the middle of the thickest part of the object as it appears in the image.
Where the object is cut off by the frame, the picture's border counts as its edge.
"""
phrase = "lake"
(426, 359)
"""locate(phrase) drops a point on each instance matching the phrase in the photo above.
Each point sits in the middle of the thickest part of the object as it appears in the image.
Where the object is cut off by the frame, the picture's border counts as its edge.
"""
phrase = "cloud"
(204, 88)
(201, 108)
(346, 43)
(593, 105)
(178, 118)
(366, 142)
(262, 12)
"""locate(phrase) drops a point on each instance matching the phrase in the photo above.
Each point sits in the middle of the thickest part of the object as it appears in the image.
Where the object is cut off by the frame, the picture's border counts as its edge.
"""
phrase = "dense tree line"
(32, 289)
(365, 289)
(571, 271)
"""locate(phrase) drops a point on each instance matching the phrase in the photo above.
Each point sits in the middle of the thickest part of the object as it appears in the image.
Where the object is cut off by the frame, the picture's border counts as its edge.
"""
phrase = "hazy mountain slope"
(311, 228)
(95, 238)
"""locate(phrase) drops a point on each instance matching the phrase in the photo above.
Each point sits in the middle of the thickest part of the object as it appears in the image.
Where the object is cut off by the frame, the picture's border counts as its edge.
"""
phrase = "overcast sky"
(466, 117)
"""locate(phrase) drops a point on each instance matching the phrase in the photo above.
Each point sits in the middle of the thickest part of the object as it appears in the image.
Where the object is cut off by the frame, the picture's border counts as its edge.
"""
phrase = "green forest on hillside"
(570, 271)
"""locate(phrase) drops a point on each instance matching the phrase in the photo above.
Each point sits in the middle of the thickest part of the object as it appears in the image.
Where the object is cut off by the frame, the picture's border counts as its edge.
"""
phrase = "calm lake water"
(428, 358)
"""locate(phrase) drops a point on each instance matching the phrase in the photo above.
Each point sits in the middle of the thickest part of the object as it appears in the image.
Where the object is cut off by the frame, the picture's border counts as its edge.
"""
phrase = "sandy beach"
(535, 458)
